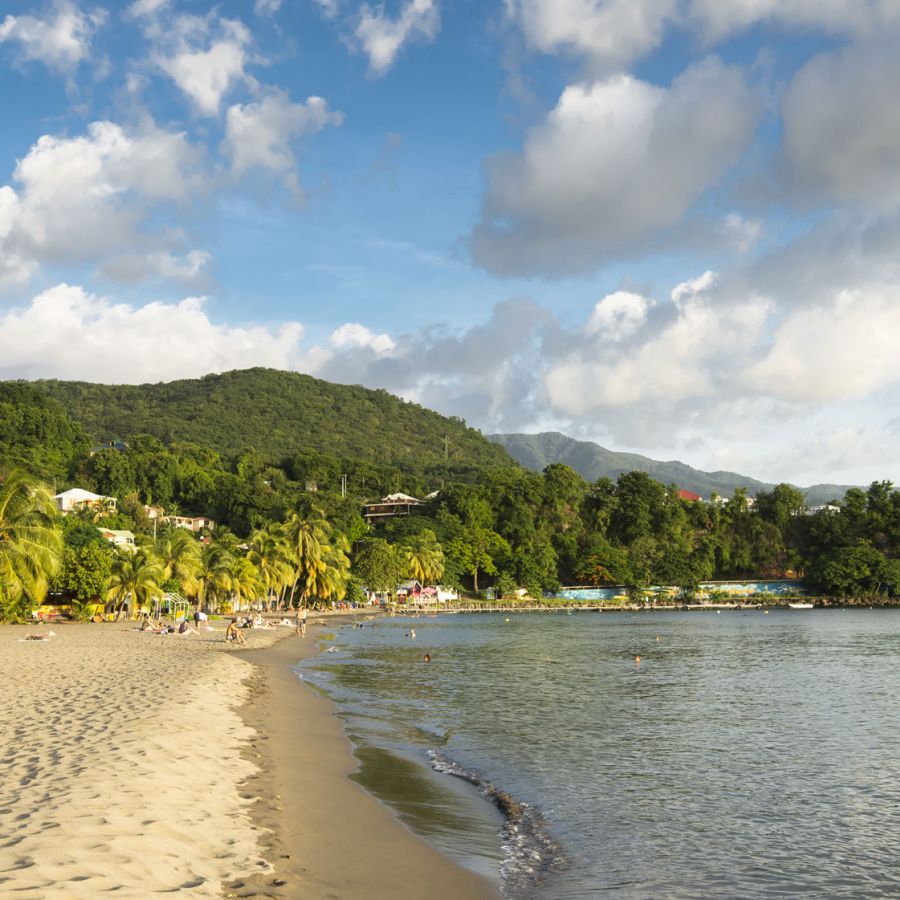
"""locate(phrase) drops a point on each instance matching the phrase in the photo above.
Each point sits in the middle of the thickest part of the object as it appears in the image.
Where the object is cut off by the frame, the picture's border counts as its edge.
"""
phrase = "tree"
(378, 565)
(270, 553)
(306, 536)
(214, 574)
(137, 575)
(477, 550)
(244, 581)
(425, 557)
(179, 554)
(85, 571)
(30, 544)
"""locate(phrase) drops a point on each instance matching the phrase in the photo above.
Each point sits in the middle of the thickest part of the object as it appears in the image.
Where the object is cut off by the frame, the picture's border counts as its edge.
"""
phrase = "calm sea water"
(749, 754)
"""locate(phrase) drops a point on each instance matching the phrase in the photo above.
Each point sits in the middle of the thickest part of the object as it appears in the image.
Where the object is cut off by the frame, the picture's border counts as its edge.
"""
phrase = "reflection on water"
(747, 755)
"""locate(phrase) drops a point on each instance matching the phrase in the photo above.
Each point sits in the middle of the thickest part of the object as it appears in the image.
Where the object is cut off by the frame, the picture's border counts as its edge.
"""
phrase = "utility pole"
(446, 446)
(343, 486)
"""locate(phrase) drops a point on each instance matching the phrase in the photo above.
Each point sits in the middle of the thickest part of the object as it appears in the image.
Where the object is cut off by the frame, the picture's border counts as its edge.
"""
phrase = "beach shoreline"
(324, 834)
(140, 764)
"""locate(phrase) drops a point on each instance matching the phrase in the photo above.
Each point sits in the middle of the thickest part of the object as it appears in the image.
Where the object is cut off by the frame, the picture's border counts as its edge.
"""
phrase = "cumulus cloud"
(845, 349)
(613, 34)
(854, 17)
(616, 163)
(259, 135)
(66, 332)
(610, 32)
(842, 127)
(60, 40)
(91, 197)
(353, 335)
(204, 56)
(381, 38)
(618, 315)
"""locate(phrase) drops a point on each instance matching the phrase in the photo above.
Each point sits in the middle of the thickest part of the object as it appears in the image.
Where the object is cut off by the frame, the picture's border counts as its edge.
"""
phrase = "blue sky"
(666, 225)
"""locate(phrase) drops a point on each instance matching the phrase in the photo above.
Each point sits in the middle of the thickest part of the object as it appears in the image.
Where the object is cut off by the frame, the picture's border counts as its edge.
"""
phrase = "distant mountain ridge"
(591, 461)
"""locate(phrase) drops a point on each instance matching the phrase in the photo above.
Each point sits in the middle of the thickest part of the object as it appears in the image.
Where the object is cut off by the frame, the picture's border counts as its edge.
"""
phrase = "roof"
(688, 495)
(115, 533)
(408, 585)
(78, 494)
(399, 498)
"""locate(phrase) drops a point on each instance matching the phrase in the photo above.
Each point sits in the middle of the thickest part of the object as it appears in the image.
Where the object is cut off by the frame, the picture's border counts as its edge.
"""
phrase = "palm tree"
(244, 580)
(137, 574)
(330, 579)
(30, 544)
(179, 553)
(271, 554)
(306, 535)
(425, 557)
(212, 577)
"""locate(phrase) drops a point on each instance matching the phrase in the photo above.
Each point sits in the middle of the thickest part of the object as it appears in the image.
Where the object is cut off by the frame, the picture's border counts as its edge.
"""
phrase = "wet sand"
(326, 836)
(140, 764)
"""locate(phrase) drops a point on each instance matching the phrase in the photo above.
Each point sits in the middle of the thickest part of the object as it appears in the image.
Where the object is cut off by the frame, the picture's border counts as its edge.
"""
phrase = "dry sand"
(139, 764)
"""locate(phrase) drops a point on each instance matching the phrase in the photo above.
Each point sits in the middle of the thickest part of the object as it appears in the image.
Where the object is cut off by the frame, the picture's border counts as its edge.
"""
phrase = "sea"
(747, 754)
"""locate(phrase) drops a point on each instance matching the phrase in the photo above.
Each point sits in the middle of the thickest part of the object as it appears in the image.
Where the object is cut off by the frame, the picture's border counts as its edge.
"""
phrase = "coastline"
(140, 764)
(324, 834)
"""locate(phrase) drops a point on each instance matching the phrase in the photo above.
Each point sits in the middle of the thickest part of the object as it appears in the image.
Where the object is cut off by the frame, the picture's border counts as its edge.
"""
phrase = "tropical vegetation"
(290, 526)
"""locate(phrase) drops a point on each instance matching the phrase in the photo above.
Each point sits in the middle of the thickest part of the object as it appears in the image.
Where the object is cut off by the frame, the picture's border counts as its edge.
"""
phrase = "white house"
(118, 538)
(73, 499)
(191, 523)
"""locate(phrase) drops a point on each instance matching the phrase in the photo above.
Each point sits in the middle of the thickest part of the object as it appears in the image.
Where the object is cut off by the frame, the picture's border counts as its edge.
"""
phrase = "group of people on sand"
(167, 628)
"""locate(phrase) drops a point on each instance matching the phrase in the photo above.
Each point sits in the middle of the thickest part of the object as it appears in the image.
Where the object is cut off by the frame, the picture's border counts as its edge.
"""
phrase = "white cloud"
(141, 8)
(842, 127)
(618, 315)
(66, 332)
(189, 270)
(381, 38)
(266, 7)
(61, 41)
(611, 32)
(693, 287)
(720, 19)
(843, 350)
(683, 360)
(259, 135)
(205, 57)
(87, 198)
(613, 165)
(353, 335)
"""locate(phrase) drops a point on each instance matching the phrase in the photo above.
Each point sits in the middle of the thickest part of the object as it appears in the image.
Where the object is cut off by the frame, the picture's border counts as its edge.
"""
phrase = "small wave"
(531, 853)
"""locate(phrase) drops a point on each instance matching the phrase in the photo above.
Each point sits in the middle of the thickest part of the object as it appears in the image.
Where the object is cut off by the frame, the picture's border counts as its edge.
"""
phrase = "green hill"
(591, 461)
(277, 414)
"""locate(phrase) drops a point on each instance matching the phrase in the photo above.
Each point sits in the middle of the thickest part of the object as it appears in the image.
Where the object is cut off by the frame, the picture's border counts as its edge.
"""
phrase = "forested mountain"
(591, 461)
(275, 456)
(277, 414)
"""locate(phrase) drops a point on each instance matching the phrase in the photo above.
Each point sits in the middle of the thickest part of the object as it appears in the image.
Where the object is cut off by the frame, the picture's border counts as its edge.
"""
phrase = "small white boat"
(801, 605)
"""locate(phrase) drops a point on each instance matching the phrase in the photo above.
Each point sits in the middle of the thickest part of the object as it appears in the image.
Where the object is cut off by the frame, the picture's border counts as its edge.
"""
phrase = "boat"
(801, 605)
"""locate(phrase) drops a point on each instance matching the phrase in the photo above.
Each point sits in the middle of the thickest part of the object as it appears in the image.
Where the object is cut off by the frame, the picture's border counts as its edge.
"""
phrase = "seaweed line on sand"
(531, 853)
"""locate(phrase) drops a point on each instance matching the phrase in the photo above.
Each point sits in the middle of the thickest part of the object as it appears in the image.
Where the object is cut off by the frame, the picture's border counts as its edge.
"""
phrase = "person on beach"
(233, 633)
(197, 618)
(301, 621)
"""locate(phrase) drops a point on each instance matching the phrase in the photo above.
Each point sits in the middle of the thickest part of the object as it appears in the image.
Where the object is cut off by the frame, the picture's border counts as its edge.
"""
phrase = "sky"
(668, 226)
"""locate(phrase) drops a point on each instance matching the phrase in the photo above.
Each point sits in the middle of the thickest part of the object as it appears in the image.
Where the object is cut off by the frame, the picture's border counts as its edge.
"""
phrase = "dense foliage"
(290, 528)
(280, 415)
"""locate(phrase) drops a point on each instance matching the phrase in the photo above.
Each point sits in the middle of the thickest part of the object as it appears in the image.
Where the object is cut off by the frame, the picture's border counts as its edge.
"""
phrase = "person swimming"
(637, 660)
(427, 657)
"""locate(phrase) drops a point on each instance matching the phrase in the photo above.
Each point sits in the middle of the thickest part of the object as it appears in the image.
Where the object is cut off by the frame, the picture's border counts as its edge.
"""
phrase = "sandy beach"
(140, 764)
